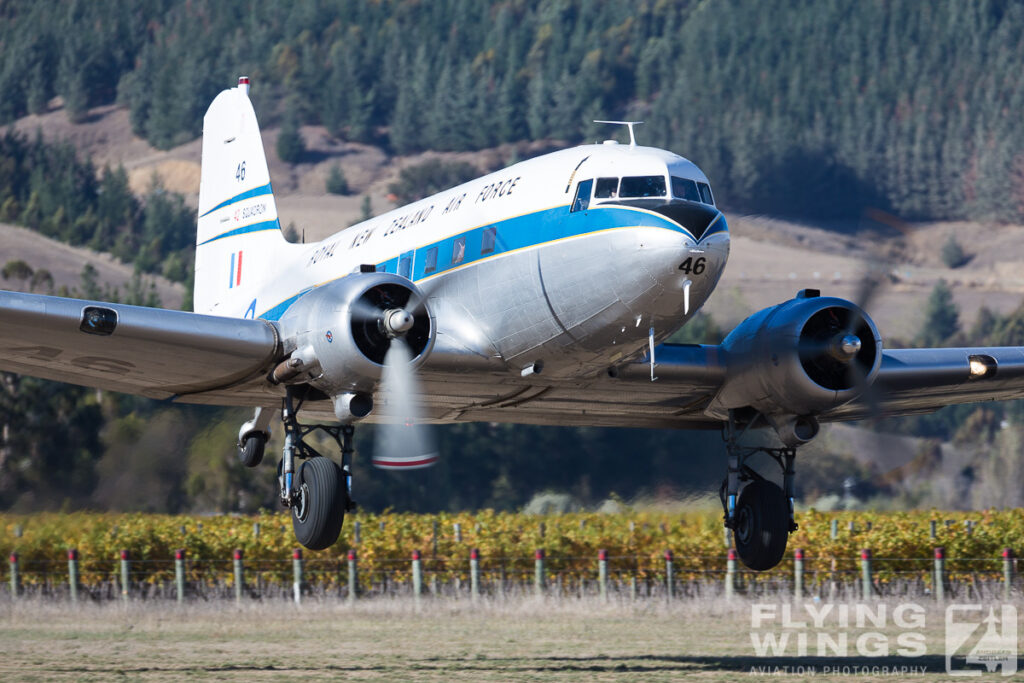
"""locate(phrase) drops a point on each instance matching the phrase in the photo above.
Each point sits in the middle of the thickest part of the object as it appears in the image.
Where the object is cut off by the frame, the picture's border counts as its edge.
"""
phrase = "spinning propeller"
(838, 347)
(391, 319)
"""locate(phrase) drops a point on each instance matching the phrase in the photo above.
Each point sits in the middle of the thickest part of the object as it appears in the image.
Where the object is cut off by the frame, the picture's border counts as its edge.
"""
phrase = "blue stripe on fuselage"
(514, 234)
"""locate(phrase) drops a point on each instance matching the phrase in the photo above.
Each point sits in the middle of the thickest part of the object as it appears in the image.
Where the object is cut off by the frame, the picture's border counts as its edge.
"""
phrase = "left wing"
(153, 352)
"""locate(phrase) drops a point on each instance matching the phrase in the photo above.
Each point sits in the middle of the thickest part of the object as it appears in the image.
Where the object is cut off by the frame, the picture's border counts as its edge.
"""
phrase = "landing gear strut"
(320, 492)
(759, 513)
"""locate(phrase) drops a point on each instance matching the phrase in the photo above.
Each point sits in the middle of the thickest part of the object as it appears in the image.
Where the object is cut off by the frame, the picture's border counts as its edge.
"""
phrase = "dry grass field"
(565, 640)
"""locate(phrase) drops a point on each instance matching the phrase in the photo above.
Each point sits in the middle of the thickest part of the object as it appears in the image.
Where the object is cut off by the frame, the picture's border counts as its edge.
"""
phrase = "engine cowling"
(799, 358)
(338, 335)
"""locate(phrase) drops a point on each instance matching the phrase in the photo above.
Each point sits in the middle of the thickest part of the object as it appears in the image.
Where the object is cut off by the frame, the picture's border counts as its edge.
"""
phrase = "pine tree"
(290, 145)
(942, 319)
(336, 182)
(953, 254)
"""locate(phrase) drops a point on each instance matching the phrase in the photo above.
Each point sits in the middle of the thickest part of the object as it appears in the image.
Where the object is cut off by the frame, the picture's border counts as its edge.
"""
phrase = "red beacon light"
(243, 84)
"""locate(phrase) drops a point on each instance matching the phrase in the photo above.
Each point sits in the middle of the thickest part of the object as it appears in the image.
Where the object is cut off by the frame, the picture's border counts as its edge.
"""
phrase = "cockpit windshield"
(691, 191)
(642, 186)
(705, 194)
(684, 188)
(605, 188)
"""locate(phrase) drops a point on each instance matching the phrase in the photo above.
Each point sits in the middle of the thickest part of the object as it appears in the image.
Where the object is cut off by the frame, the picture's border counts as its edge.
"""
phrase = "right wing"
(153, 352)
(923, 380)
(688, 378)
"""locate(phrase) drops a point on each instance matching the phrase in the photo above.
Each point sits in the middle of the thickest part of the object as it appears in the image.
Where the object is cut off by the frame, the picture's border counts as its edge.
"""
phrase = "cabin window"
(642, 186)
(582, 200)
(458, 250)
(430, 264)
(606, 187)
(405, 267)
(487, 242)
(684, 188)
(705, 194)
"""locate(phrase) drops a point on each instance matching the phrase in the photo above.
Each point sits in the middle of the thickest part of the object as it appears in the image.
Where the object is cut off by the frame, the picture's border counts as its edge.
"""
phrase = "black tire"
(762, 525)
(251, 452)
(320, 507)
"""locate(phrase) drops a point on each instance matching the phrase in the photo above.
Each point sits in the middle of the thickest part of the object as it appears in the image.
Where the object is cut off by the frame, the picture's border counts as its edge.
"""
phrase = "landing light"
(981, 367)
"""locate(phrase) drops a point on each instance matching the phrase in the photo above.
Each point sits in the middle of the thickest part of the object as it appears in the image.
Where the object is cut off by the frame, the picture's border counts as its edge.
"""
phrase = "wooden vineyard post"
(539, 579)
(179, 574)
(297, 575)
(15, 577)
(798, 574)
(865, 570)
(417, 575)
(125, 575)
(239, 575)
(353, 575)
(669, 576)
(730, 574)
(1007, 574)
(474, 574)
(940, 574)
(602, 573)
(73, 574)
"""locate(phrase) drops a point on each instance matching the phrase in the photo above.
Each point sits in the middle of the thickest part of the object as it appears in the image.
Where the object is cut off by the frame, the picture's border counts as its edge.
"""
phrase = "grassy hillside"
(810, 110)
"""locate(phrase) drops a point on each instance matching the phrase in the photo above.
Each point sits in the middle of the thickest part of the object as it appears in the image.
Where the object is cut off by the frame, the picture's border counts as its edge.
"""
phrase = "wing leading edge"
(153, 352)
(688, 378)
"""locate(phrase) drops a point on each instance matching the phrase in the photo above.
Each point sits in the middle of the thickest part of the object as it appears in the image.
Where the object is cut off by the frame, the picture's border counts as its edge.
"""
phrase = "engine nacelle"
(338, 334)
(799, 358)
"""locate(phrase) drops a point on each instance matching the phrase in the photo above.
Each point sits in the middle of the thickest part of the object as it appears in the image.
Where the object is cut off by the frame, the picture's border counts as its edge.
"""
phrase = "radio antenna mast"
(628, 124)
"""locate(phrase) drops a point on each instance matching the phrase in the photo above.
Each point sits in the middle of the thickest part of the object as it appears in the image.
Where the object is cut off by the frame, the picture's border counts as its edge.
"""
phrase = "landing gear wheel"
(319, 508)
(251, 450)
(762, 525)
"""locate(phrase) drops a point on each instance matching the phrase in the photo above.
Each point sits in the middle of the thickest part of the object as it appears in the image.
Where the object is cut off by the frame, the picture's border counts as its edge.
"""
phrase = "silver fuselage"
(571, 291)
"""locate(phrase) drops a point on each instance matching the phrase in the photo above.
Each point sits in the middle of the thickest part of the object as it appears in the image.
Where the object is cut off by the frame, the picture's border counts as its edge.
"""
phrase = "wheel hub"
(744, 525)
(301, 510)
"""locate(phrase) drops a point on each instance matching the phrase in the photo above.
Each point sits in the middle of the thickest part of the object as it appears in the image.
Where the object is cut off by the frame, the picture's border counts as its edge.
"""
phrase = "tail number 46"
(240, 172)
(690, 265)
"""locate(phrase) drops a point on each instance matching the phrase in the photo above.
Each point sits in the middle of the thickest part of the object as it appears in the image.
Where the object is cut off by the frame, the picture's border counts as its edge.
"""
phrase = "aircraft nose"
(699, 219)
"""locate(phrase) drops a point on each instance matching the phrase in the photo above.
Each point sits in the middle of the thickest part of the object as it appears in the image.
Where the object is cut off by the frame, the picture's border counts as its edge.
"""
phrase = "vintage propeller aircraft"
(539, 294)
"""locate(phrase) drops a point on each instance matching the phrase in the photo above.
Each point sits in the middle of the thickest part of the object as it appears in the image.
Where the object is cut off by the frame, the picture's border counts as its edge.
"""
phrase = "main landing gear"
(759, 512)
(319, 492)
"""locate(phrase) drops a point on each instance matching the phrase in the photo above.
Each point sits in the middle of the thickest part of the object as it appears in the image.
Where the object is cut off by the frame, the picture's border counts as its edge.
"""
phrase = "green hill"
(815, 110)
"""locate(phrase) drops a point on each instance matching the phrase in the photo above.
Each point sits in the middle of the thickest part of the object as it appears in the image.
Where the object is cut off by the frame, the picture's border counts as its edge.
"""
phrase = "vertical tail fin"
(239, 236)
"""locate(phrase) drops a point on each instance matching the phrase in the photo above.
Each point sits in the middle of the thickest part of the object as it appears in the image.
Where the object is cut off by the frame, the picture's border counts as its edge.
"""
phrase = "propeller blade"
(406, 443)
(363, 310)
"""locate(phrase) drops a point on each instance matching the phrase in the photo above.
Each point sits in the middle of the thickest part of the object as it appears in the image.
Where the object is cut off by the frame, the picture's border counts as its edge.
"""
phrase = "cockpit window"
(582, 200)
(642, 186)
(705, 194)
(606, 187)
(684, 188)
